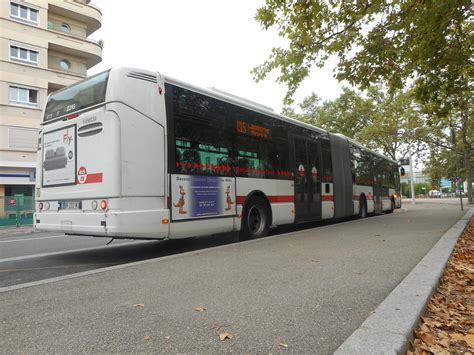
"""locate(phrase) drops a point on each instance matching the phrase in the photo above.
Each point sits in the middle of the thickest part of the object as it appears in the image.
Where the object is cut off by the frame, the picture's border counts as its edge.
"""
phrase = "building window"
(23, 13)
(23, 55)
(65, 28)
(64, 64)
(23, 96)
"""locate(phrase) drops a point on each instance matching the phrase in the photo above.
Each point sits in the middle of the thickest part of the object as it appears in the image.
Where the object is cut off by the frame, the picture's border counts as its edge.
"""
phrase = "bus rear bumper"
(152, 224)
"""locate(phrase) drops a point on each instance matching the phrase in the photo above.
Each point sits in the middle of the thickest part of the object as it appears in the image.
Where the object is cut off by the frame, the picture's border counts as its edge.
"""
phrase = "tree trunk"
(467, 159)
(467, 164)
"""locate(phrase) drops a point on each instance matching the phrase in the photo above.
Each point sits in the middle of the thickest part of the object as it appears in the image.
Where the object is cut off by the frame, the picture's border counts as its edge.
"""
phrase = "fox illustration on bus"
(180, 203)
(228, 199)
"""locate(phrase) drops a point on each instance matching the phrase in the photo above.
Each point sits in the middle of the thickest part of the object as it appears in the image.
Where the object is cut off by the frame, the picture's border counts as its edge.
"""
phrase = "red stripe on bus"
(327, 198)
(276, 199)
(271, 199)
(92, 179)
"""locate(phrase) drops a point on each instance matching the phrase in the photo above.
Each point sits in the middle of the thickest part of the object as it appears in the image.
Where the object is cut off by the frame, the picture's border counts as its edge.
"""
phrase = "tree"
(379, 120)
(424, 43)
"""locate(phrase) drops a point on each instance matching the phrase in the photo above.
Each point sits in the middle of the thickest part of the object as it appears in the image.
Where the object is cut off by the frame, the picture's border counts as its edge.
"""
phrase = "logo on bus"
(67, 139)
(301, 170)
(81, 175)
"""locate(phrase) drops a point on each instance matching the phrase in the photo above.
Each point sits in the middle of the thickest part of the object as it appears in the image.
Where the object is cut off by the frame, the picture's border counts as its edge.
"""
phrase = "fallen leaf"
(469, 339)
(445, 343)
(139, 305)
(283, 345)
(457, 336)
(200, 309)
(225, 335)
(147, 337)
(428, 339)
(315, 261)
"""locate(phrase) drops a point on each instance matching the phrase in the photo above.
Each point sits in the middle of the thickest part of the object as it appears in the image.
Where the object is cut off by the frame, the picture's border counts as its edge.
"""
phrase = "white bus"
(129, 153)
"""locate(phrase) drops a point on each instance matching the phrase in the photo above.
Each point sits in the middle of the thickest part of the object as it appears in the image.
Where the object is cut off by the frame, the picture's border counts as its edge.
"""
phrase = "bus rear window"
(76, 97)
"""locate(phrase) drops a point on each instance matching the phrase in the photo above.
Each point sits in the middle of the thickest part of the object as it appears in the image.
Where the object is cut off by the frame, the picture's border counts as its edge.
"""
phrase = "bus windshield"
(84, 94)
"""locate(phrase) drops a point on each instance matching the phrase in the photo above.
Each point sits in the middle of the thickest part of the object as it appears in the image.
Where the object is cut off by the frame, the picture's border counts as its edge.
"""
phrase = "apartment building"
(44, 46)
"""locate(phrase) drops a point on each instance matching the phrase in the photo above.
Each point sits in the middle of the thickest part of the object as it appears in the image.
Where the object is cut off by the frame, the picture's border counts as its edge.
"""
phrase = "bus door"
(307, 179)
(378, 187)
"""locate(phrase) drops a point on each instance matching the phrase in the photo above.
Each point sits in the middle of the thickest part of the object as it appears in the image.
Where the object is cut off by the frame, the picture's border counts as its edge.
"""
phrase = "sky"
(208, 43)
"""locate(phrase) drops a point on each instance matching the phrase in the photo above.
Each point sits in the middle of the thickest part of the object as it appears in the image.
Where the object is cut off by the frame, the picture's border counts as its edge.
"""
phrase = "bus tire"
(362, 207)
(255, 219)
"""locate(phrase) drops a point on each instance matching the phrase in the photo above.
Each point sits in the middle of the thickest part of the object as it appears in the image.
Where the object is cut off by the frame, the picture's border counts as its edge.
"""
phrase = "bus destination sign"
(253, 130)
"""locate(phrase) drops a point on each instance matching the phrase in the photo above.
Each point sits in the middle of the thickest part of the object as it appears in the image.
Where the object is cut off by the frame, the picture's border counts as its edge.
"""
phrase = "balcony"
(80, 11)
(89, 50)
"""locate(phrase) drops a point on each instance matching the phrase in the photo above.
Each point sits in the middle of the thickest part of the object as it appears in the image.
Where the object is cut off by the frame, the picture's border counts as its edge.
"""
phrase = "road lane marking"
(52, 267)
(23, 240)
(32, 256)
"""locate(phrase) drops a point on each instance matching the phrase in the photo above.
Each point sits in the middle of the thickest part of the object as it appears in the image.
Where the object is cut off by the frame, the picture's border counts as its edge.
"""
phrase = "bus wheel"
(255, 219)
(392, 206)
(362, 207)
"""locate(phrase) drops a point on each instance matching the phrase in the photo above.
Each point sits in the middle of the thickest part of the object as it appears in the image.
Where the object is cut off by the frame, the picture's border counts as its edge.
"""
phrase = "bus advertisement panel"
(59, 157)
(202, 196)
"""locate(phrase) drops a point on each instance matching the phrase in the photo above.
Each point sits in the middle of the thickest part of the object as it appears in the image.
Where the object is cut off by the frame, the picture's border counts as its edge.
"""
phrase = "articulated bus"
(131, 153)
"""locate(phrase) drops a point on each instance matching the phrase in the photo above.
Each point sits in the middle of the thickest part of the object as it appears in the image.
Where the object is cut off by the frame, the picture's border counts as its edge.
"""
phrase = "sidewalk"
(308, 290)
(389, 329)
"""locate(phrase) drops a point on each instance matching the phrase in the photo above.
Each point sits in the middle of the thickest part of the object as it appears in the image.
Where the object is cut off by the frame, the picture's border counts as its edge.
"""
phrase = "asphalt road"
(308, 289)
(28, 257)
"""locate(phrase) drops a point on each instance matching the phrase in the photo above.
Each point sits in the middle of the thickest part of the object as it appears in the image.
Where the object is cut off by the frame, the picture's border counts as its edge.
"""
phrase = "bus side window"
(327, 161)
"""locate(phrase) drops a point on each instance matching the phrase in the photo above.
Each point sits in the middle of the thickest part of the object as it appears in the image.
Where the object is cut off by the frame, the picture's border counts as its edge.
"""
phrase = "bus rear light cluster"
(44, 206)
(103, 204)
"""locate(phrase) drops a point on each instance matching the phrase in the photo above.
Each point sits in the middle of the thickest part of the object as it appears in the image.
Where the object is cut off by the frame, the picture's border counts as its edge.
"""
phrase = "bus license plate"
(70, 205)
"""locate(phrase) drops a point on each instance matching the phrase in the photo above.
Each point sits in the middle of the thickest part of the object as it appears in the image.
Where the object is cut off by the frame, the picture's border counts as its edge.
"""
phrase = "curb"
(389, 329)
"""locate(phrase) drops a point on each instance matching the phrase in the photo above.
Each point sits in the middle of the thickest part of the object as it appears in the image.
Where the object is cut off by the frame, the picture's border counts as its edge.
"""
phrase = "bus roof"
(354, 142)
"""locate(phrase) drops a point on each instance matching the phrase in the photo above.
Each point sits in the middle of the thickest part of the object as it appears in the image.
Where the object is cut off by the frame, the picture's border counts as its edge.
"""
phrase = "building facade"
(44, 46)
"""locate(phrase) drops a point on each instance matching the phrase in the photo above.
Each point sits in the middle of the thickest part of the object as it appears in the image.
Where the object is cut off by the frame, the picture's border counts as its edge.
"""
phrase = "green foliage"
(428, 41)
(426, 45)
(381, 121)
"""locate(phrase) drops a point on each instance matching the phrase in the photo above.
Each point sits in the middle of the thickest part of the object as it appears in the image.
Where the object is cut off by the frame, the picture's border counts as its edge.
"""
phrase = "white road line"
(25, 257)
(22, 240)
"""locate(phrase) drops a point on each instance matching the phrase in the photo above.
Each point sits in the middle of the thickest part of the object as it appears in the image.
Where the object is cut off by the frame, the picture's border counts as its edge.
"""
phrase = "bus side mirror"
(402, 171)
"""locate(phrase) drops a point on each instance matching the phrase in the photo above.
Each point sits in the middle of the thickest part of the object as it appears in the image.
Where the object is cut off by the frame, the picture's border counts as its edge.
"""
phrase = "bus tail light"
(165, 221)
(103, 204)
(94, 205)
(40, 206)
(74, 115)
(46, 205)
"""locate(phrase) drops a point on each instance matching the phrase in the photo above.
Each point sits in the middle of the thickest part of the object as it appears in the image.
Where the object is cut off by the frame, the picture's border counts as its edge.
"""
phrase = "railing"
(16, 210)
